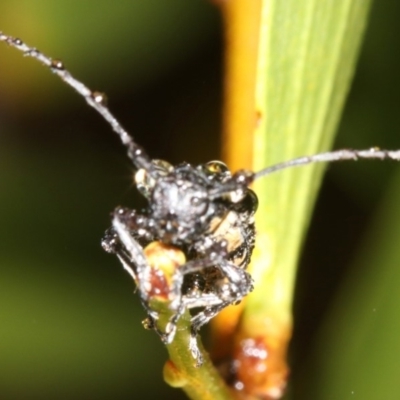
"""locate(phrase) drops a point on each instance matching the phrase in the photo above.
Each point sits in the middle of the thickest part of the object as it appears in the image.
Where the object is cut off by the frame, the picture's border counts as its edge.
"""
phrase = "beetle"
(204, 212)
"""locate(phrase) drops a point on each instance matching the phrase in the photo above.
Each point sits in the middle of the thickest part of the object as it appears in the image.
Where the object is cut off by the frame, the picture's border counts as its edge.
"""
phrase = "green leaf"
(308, 55)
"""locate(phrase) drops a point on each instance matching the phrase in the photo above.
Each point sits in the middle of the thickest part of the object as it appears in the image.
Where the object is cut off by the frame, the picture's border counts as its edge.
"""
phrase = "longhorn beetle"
(204, 211)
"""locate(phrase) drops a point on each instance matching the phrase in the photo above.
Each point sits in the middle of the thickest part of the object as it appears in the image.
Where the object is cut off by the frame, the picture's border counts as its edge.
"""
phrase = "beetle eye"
(199, 204)
(250, 202)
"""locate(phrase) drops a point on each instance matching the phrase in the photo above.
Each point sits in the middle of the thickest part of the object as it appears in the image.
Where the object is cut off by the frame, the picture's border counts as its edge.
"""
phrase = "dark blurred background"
(69, 321)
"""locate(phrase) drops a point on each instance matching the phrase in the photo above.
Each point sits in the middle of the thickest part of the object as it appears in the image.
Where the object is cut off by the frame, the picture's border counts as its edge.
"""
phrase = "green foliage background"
(69, 323)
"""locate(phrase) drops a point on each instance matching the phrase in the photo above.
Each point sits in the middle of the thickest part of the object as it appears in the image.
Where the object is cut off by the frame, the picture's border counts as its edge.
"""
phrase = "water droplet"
(216, 167)
(99, 98)
(57, 64)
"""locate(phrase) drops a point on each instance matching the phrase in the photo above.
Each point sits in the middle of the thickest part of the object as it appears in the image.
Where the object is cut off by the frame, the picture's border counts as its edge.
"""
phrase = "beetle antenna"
(97, 100)
(331, 156)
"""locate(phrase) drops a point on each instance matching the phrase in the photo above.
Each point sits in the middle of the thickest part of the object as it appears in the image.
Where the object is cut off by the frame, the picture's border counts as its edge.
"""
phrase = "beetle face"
(180, 208)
